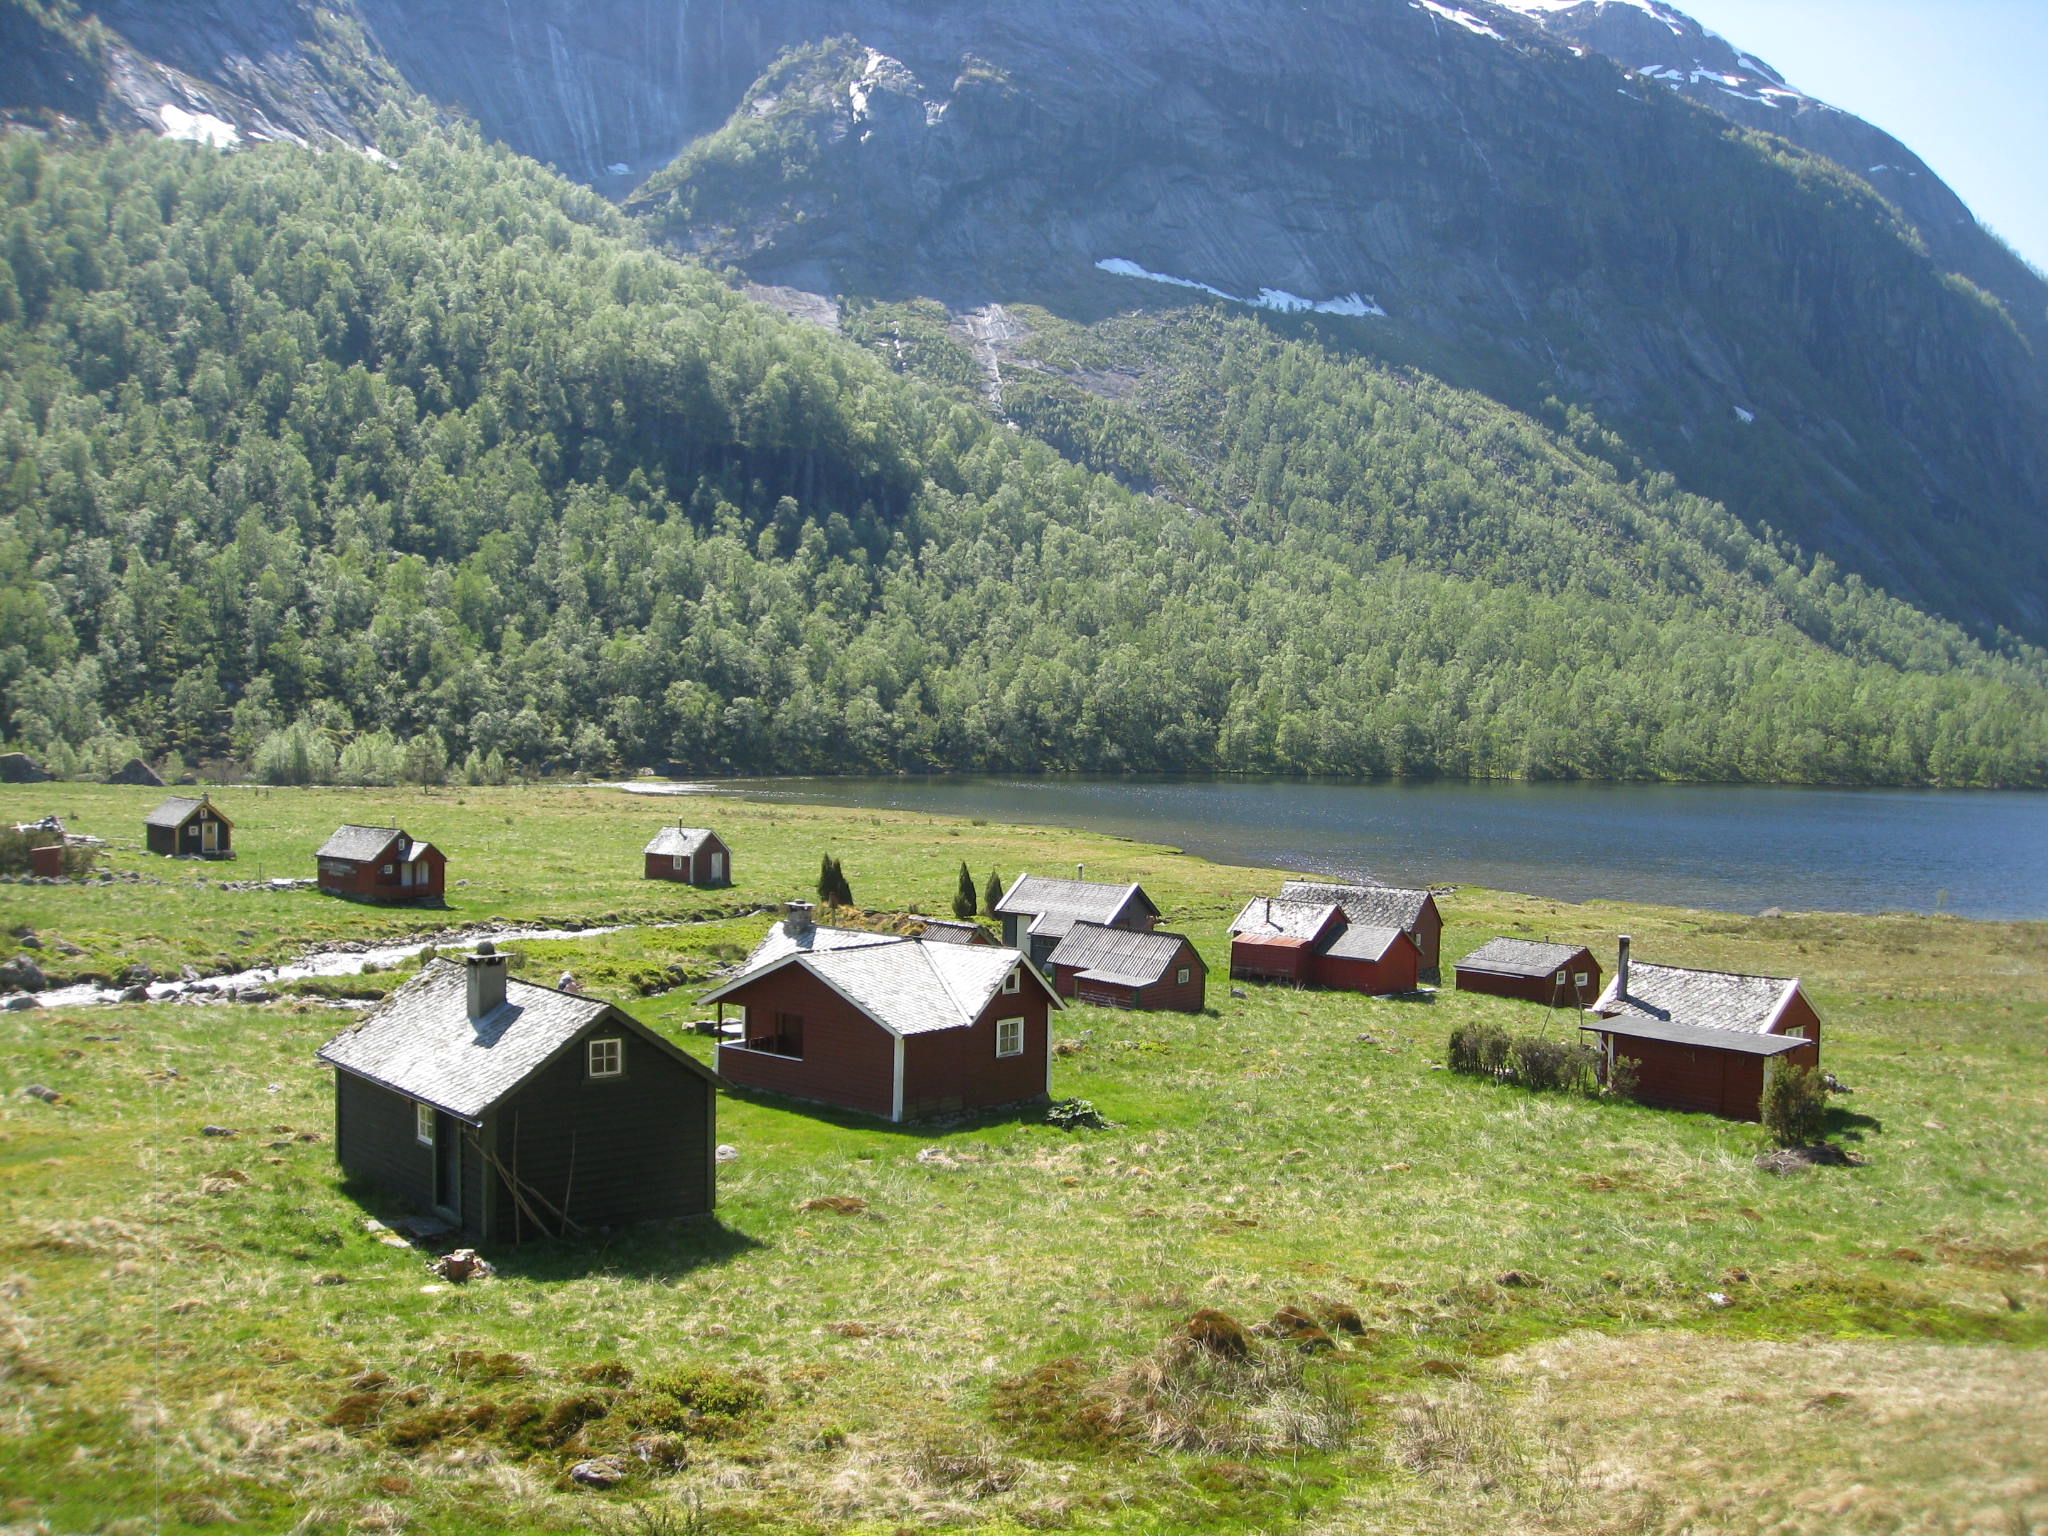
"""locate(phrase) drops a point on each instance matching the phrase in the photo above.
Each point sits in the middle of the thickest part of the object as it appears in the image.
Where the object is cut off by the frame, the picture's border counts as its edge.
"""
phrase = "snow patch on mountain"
(1664, 13)
(1464, 19)
(198, 127)
(1278, 299)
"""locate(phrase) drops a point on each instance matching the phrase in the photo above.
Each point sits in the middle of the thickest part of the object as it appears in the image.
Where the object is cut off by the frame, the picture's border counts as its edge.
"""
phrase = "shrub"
(1624, 1078)
(1479, 1050)
(1553, 1065)
(1075, 1115)
(1795, 1104)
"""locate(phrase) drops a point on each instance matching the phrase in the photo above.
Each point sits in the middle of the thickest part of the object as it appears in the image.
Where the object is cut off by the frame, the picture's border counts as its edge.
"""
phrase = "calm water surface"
(1735, 849)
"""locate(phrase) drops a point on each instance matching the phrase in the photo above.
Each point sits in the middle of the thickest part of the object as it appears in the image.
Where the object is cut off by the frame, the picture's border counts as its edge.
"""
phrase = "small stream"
(326, 963)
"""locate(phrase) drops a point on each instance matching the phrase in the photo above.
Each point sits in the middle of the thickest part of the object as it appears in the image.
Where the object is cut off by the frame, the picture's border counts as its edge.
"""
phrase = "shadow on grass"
(655, 1250)
(1851, 1126)
(1031, 1112)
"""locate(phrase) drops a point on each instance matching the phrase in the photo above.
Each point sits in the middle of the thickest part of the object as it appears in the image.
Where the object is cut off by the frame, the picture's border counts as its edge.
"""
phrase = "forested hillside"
(435, 466)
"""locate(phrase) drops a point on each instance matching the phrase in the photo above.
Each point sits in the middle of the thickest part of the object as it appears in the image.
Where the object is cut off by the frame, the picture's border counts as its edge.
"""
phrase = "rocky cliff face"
(1543, 198)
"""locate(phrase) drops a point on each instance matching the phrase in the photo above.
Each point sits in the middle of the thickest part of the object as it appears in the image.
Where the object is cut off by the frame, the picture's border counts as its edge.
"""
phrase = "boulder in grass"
(136, 772)
(22, 974)
(20, 768)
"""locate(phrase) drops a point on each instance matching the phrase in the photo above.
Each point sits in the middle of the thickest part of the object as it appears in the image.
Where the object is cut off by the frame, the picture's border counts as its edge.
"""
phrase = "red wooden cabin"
(1555, 975)
(1700, 1040)
(1413, 911)
(1313, 944)
(688, 855)
(1115, 968)
(896, 1027)
(381, 864)
(1037, 912)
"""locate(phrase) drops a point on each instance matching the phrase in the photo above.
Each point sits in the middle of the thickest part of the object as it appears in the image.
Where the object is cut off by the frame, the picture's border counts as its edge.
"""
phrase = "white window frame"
(1014, 982)
(1184, 975)
(1014, 1028)
(609, 1049)
(423, 1124)
(677, 860)
(1560, 979)
(1580, 978)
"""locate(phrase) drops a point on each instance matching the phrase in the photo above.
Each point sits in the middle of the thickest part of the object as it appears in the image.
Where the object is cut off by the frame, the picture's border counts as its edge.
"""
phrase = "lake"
(1727, 848)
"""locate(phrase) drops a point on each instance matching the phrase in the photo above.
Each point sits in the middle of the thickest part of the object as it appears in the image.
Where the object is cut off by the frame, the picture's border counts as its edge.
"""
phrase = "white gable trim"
(896, 1092)
(1777, 1017)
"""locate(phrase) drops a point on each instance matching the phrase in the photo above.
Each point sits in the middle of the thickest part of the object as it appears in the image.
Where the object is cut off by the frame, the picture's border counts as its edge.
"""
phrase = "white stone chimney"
(486, 970)
(796, 919)
(1621, 970)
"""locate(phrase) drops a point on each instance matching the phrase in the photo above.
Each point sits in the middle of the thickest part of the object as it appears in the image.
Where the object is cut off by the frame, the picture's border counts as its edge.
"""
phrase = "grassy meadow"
(1548, 1314)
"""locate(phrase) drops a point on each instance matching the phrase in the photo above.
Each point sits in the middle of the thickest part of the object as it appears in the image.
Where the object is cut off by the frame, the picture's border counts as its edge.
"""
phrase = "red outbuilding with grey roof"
(901, 1028)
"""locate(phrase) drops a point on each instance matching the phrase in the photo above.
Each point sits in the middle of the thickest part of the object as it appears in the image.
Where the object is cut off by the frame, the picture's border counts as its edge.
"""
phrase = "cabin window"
(676, 860)
(1181, 976)
(423, 1124)
(1580, 978)
(1560, 978)
(1009, 1037)
(387, 869)
(788, 1038)
(607, 1057)
(1014, 982)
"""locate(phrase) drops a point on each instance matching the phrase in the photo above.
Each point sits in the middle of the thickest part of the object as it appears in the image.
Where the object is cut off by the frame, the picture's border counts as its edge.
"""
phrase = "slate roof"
(1715, 1000)
(1056, 905)
(358, 843)
(670, 841)
(908, 986)
(1385, 906)
(946, 930)
(1520, 957)
(1274, 917)
(177, 810)
(1639, 1027)
(1117, 954)
(1362, 941)
(422, 1043)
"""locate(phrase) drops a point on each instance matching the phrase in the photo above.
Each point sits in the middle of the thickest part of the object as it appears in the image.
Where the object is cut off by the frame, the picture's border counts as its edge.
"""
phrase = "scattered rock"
(19, 1002)
(215, 1130)
(22, 974)
(330, 1279)
(1834, 1084)
(726, 1153)
(1293, 1326)
(462, 1266)
(38, 1091)
(189, 974)
(135, 771)
(135, 995)
(936, 1155)
(839, 1205)
(225, 1182)
(255, 995)
(20, 768)
(1239, 992)
(1518, 1279)
(599, 1472)
(1217, 1332)
(136, 975)
(30, 941)
(1772, 912)
(66, 947)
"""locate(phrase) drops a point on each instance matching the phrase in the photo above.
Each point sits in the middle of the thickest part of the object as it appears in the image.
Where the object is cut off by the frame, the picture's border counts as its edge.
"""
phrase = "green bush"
(1479, 1050)
(1795, 1104)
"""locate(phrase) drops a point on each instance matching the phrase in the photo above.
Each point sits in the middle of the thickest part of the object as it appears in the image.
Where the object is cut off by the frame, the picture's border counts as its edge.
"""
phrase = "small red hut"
(901, 1028)
(183, 827)
(1312, 944)
(1413, 911)
(689, 855)
(381, 864)
(1555, 975)
(1115, 968)
(1700, 1040)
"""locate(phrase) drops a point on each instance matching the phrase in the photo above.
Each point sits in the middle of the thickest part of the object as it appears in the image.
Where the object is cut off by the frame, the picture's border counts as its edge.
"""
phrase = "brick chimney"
(796, 919)
(1621, 970)
(486, 973)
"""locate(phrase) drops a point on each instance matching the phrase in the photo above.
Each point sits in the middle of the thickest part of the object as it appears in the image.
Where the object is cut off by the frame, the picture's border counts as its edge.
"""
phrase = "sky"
(1958, 82)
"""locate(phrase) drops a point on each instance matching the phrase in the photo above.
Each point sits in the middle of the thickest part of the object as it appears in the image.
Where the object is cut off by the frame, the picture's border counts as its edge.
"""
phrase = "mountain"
(1429, 391)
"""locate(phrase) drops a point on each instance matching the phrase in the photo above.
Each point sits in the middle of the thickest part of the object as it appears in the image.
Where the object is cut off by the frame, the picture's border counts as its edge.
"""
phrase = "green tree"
(964, 900)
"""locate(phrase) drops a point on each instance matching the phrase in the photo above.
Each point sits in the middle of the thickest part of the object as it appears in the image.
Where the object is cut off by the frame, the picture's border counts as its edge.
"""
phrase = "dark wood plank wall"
(641, 1142)
(374, 1140)
(1540, 989)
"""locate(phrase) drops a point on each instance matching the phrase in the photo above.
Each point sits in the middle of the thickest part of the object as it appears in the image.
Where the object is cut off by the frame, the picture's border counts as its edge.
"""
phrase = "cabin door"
(209, 837)
(447, 1164)
(717, 867)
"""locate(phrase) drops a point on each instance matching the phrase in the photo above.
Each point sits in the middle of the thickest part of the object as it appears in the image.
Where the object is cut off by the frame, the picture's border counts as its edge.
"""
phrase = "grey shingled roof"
(1275, 917)
(1363, 941)
(946, 930)
(1748, 1043)
(1386, 906)
(1520, 957)
(1117, 954)
(670, 841)
(908, 986)
(422, 1043)
(358, 843)
(1056, 905)
(176, 811)
(1720, 1000)
(780, 943)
